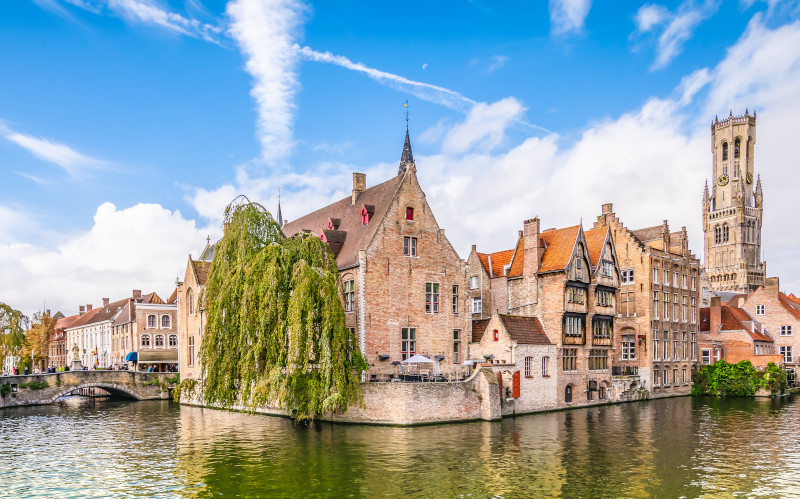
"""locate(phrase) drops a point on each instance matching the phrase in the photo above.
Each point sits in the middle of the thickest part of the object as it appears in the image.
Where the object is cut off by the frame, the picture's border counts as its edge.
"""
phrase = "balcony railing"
(624, 370)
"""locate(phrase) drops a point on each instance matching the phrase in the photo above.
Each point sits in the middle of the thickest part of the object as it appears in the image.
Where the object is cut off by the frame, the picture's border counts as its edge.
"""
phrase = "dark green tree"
(13, 324)
(275, 333)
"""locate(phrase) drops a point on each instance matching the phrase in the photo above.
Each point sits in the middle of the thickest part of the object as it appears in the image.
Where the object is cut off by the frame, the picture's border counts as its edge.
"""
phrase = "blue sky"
(127, 125)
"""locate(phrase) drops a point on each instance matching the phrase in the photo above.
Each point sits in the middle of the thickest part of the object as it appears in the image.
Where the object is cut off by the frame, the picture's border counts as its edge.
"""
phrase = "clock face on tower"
(749, 178)
(723, 179)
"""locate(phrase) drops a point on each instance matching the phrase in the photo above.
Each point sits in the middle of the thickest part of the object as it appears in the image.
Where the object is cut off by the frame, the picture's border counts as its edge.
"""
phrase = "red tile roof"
(791, 306)
(560, 244)
(66, 322)
(498, 261)
(517, 264)
(595, 239)
(525, 330)
(734, 319)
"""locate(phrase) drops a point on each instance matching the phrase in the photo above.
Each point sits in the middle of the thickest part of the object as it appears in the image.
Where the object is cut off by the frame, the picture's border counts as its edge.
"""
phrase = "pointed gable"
(595, 242)
(559, 245)
(494, 263)
(525, 330)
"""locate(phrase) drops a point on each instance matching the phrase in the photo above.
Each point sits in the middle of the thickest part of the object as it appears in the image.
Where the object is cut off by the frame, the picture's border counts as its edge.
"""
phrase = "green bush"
(5, 389)
(35, 385)
(738, 380)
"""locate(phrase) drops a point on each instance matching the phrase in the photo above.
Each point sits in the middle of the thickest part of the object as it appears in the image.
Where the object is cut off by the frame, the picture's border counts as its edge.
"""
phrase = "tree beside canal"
(12, 332)
(275, 333)
(738, 380)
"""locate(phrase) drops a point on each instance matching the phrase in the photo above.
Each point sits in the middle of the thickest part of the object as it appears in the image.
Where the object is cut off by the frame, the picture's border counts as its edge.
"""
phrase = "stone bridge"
(38, 389)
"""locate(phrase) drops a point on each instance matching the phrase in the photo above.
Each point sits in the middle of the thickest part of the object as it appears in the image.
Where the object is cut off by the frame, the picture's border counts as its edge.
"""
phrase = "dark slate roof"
(357, 236)
(525, 330)
(478, 328)
(407, 158)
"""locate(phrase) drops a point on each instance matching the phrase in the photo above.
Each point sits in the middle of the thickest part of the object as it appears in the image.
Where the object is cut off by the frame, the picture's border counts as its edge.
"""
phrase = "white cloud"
(142, 247)
(73, 162)
(265, 33)
(677, 27)
(425, 66)
(484, 127)
(497, 62)
(568, 15)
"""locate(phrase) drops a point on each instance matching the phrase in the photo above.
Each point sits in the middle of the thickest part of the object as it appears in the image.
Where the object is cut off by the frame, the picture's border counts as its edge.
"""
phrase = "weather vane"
(405, 105)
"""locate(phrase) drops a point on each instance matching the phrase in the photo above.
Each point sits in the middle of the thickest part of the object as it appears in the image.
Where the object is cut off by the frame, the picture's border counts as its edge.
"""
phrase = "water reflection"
(665, 448)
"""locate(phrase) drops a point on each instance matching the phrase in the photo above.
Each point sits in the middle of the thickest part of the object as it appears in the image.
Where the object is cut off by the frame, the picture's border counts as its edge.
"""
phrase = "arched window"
(165, 322)
(716, 234)
(151, 321)
(568, 394)
(725, 233)
(145, 341)
(736, 144)
(160, 340)
(724, 151)
(191, 301)
(173, 341)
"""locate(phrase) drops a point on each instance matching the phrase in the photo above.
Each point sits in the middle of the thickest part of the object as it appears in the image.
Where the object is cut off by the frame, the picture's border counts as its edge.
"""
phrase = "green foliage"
(738, 380)
(175, 379)
(5, 389)
(187, 386)
(275, 332)
(34, 385)
(13, 324)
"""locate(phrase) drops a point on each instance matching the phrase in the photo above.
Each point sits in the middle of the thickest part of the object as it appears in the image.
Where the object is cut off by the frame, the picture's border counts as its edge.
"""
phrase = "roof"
(559, 244)
(734, 319)
(349, 214)
(124, 316)
(648, 233)
(705, 319)
(173, 298)
(595, 239)
(525, 330)
(518, 260)
(791, 306)
(66, 322)
(201, 269)
(498, 261)
(100, 314)
(478, 328)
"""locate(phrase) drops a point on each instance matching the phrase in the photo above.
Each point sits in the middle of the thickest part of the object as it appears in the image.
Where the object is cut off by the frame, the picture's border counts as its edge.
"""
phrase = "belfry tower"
(732, 210)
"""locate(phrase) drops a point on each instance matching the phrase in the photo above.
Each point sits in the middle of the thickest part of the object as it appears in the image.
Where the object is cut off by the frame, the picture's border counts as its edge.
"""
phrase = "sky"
(127, 126)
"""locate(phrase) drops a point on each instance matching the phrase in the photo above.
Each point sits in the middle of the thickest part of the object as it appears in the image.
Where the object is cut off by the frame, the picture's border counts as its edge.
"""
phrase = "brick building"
(404, 286)
(57, 345)
(189, 295)
(91, 332)
(146, 329)
(568, 279)
(731, 333)
(656, 330)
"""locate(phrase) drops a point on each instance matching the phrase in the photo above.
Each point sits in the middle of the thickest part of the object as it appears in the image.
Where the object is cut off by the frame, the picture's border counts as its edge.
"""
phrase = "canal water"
(671, 448)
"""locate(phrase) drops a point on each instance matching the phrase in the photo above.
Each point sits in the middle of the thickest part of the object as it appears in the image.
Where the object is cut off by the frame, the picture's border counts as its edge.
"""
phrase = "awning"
(418, 359)
(167, 356)
(131, 357)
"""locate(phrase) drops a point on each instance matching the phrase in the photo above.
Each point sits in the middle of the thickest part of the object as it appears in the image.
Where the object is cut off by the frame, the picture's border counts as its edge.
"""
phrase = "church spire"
(407, 158)
(280, 216)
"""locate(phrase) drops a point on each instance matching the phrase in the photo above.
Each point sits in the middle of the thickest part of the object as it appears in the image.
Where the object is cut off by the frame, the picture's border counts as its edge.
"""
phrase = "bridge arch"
(113, 389)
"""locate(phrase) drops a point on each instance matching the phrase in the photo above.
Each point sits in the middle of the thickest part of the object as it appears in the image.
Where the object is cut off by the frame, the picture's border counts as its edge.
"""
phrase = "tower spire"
(407, 158)
(280, 216)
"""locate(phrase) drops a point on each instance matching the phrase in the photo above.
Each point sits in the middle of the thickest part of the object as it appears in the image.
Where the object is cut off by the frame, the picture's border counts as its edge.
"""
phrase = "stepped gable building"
(655, 338)
(732, 210)
(780, 316)
(403, 284)
(145, 331)
(568, 279)
(190, 320)
(731, 333)
(57, 345)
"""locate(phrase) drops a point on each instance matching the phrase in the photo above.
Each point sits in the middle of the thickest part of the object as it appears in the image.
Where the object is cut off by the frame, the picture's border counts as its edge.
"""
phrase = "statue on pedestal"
(76, 359)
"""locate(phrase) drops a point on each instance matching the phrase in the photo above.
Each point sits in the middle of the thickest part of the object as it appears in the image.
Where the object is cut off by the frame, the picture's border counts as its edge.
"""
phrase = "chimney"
(531, 243)
(359, 185)
(47, 312)
(105, 302)
(88, 307)
(608, 208)
(81, 310)
(772, 286)
(474, 248)
(715, 314)
(136, 293)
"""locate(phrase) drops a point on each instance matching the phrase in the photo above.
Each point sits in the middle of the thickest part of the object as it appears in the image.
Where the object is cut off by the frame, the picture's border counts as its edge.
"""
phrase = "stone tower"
(732, 209)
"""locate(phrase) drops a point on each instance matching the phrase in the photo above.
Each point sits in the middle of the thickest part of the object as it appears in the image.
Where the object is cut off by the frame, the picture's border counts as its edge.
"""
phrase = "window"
(409, 213)
(601, 393)
(349, 296)
(786, 352)
(628, 347)
(145, 341)
(666, 377)
(455, 299)
(496, 335)
(476, 305)
(568, 394)
(408, 344)
(666, 277)
(685, 346)
(685, 307)
(656, 378)
(683, 277)
(675, 345)
(410, 246)
(608, 269)
(666, 345)
(598, 359)
(601, 328)
(604, 298)
(736, 144)
(786, 330)
(666, 306)
(151, 321)
(575, 295)
(572, 325)
(364, 215)
(165, 322)
(627, 276)
(456, 346)
(473, 282)
(655, 275)
(655, 304)
(628, 304)
(675, 376)
(694, 310)
(724, 151)
(160, 340)
(190, 353)
(675, 279)
(173, 341)
(528, 370)
(431, 298)
(545, 366)
(694, 345)
(655, 344)
(590, 389)
(683, 376)
(759, 309)
(706, 354)
(570, 358)
(694, 283)
(191, 301)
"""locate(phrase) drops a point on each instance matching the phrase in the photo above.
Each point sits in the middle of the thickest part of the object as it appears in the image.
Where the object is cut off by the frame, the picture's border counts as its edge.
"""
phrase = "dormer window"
(364, 216)
(409, 213)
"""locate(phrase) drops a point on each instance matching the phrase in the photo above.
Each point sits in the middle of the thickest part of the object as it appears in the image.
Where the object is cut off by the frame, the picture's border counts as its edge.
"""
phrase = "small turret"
(407, 158)
(759, 193)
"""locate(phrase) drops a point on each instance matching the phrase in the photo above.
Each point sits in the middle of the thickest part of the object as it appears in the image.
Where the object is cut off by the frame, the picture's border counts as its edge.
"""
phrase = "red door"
(515, 385)
(500, 382)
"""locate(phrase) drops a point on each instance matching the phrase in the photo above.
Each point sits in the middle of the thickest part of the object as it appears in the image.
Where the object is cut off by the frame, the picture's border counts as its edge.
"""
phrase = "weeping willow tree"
(13, 324)
(275, 332)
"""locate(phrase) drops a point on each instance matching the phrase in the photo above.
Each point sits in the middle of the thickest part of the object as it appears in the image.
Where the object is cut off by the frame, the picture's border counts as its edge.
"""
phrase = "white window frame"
(545, 366)
(473, 282)
(477, 306)
(528, 367)
(760, 310)
(169, 321)
(705, 356)
(409, 246)
(786, 330)
(787, 354)
(627, 276)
